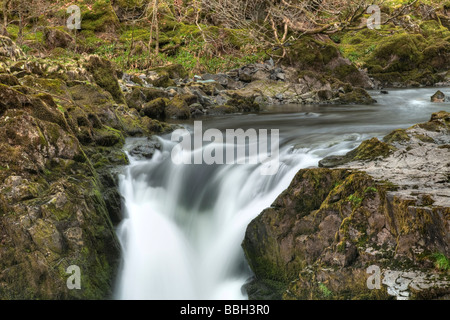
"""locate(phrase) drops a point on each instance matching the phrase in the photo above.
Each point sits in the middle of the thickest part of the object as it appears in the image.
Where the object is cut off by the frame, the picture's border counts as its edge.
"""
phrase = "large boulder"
(105, 76)
(329, 226)
(56, 38)
(321, 235)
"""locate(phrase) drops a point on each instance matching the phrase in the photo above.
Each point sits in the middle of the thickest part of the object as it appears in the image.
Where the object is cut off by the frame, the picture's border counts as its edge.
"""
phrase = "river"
(184, 223)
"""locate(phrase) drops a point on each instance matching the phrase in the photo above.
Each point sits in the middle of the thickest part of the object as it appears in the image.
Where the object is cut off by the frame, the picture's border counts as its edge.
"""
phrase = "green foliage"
(441, 262)
(325, 292)
(355, 200)
(370, 190)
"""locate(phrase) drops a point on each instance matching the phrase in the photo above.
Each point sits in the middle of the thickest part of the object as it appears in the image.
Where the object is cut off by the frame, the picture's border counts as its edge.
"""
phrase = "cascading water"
(184, 224)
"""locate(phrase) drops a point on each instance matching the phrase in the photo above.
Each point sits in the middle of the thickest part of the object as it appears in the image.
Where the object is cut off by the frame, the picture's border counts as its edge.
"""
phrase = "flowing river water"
(184, 223)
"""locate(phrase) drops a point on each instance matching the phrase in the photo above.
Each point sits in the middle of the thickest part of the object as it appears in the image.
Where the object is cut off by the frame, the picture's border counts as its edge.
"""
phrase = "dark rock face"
(60, 149)
(319, 237)
(329, 226)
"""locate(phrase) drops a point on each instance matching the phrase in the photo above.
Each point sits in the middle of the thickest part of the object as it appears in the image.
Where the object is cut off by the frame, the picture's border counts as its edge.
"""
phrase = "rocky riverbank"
(386, 205)
(63, 123)
(62, 128)
(328, 78)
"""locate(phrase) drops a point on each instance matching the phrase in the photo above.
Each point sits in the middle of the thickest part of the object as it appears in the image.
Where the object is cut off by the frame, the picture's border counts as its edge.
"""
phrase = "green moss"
(310, 54)
(370, 190)
(108, 136)
(100, 17)
(177, 108)
(433, 28)
(441, 262)
(371, 149)
(325, 292)
(174, 71)
(398, 135)
(424, 138)
(356, 96)
(104, 75)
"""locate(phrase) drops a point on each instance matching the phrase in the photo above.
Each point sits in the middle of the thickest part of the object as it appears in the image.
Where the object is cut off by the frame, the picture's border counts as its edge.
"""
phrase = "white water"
(179, 246)
(184, 224)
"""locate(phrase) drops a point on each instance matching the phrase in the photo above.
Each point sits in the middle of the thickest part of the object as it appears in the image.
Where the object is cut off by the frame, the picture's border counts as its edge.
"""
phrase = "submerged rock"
(439, 96)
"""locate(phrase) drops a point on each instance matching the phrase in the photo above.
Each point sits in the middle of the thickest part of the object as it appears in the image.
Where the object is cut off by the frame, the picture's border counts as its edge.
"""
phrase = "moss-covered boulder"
(155, 109)
(8, 80)
(174, 71)
(141, 95)
(57, 38)
(9, 50)
(356, 96)
(105, 76)
(324, 57)
(177, 108)
(99, 17)
(439, 96)
(321, 234)
(164, 76)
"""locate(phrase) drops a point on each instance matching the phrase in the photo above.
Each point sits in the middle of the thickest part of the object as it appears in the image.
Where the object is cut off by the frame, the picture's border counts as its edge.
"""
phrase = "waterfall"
(184, 224)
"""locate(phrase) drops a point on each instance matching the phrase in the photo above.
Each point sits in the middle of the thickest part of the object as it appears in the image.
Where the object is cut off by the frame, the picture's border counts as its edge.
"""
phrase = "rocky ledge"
(62, 129)
(386, 208)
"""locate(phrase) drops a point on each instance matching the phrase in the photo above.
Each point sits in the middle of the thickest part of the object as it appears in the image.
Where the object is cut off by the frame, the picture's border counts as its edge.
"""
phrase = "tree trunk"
(154, 24)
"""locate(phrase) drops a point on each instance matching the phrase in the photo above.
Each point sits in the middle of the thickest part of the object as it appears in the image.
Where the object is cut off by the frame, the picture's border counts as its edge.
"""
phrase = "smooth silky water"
(184, 224)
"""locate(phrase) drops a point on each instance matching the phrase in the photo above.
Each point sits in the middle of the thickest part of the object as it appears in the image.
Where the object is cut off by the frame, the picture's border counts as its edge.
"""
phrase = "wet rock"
(439, 96)
(143, 148)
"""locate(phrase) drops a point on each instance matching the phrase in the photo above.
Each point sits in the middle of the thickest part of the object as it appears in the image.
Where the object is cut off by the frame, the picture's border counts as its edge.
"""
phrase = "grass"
(326, 293)
(441, 262)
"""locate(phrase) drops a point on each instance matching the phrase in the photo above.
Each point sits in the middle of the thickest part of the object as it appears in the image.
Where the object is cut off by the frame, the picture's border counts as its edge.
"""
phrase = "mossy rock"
(155, 109)
(399, 136)
(9, 80)
(243, 103)
(223, 109)
(141, 95)
(100, 17)
(105, 76)
(156, 126)
(367, 150)
(437, 55)
(310, 54)
(401, 52)
(439, 121)
(356, 96)
(54, 37)
(12, 99)
(177, 108)
(108, 137)
(173, 71)
(163, 81)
